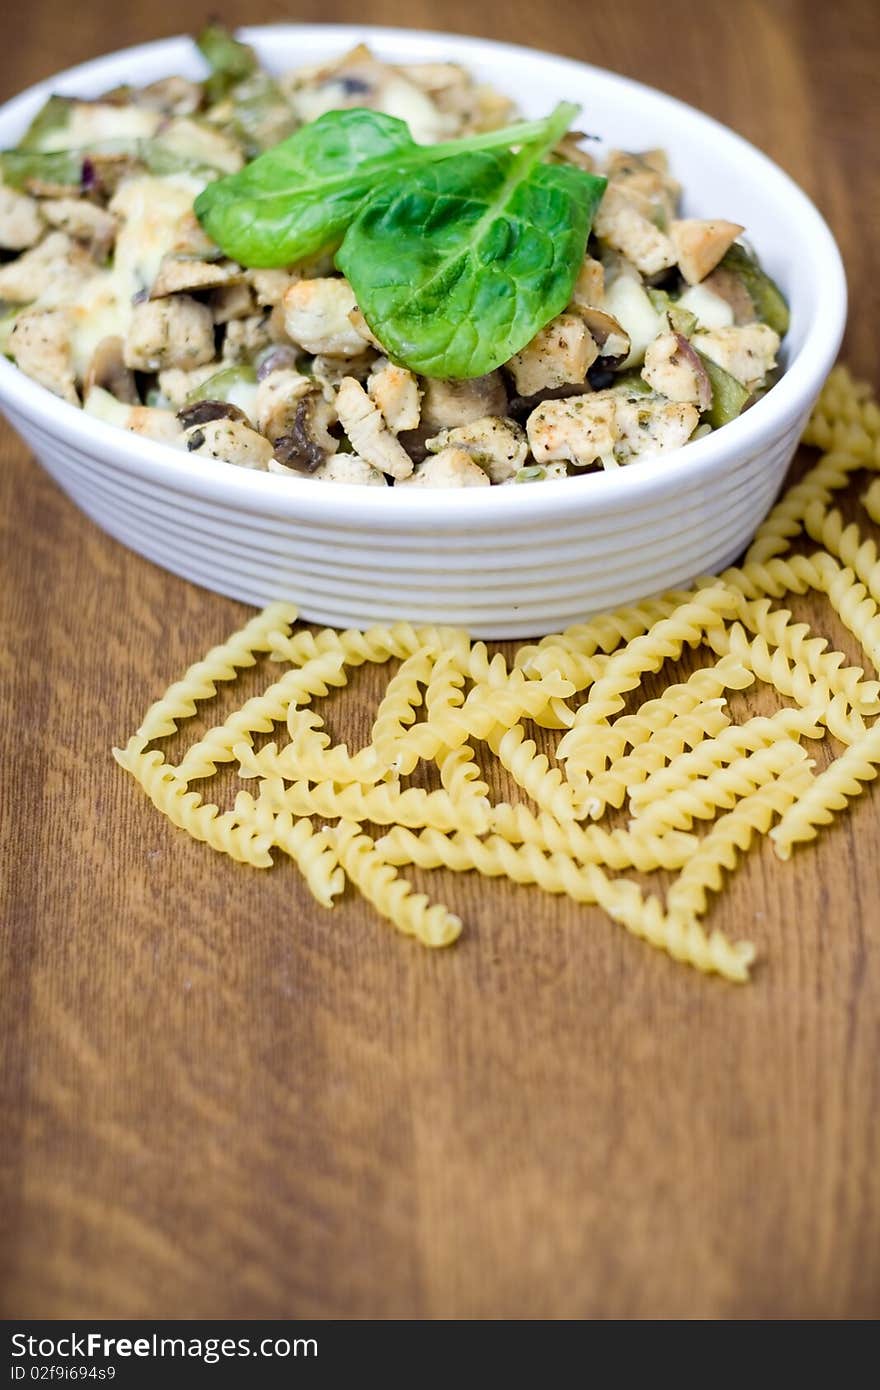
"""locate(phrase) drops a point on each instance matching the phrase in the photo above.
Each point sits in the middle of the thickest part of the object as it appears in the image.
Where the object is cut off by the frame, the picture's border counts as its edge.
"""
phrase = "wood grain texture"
(221, 1101)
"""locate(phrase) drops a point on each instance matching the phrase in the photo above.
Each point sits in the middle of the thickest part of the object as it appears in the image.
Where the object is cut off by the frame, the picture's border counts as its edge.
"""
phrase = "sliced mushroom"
(201, 412)
(450, 403)
(730, 286)
(278, 357)
(309, 443)
(609, 335)
(107, 369)
(183, 274)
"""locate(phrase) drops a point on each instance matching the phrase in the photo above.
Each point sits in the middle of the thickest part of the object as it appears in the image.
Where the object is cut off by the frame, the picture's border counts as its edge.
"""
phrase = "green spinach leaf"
(456, 268)
(299, 197)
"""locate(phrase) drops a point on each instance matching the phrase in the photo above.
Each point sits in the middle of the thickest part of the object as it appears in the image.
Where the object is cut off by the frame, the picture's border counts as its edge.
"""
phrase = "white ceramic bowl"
(503, 562)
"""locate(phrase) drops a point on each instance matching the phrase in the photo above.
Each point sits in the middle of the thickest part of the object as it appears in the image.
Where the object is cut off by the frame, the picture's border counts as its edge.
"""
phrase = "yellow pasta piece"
(222, 663)
(411, 913)
(311, 850)
(581, 748)
(386, 804)
(531, 770)
(616, 849)
(842, 780)
(733, 833)
(612, 787)
(871, 501)
(587, 883)
(397, 709)
(223, 831)
(260, 714)
(702, 797)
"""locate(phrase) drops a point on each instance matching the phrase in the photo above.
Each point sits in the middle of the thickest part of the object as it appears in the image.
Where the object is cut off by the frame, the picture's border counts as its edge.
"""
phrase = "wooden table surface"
(220, 1101)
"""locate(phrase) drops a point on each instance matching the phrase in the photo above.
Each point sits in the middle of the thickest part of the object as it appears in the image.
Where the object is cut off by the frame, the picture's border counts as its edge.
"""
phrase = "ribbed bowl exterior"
(508, 562)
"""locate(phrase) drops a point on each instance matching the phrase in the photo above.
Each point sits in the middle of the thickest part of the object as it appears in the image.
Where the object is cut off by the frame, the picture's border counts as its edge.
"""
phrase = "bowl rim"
(598, 492)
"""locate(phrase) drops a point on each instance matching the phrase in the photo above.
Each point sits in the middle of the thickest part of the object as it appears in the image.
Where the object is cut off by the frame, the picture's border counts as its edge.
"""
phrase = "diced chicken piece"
(651, 426)
(446, 404)
(396, 392)
(645, 181)
(558, 355)
(367, 431)
(700, 244)
(179, 274)
(578, 429)
(350, 468)
(233, 301)
(20, 222)
(230, 440)
(55, 265)
(153, 423)
(174, 332)
(498, 446)
(147, 421)
(329, 371)
(627, 230)
(278, 396)
(673, 369)
(360, 325)
(84, 221)
(589, 287)
(747, 351)
(176, 384)
(270, 286)
(316, 316)
(450, 468)
(246, 337)
(40, 346)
